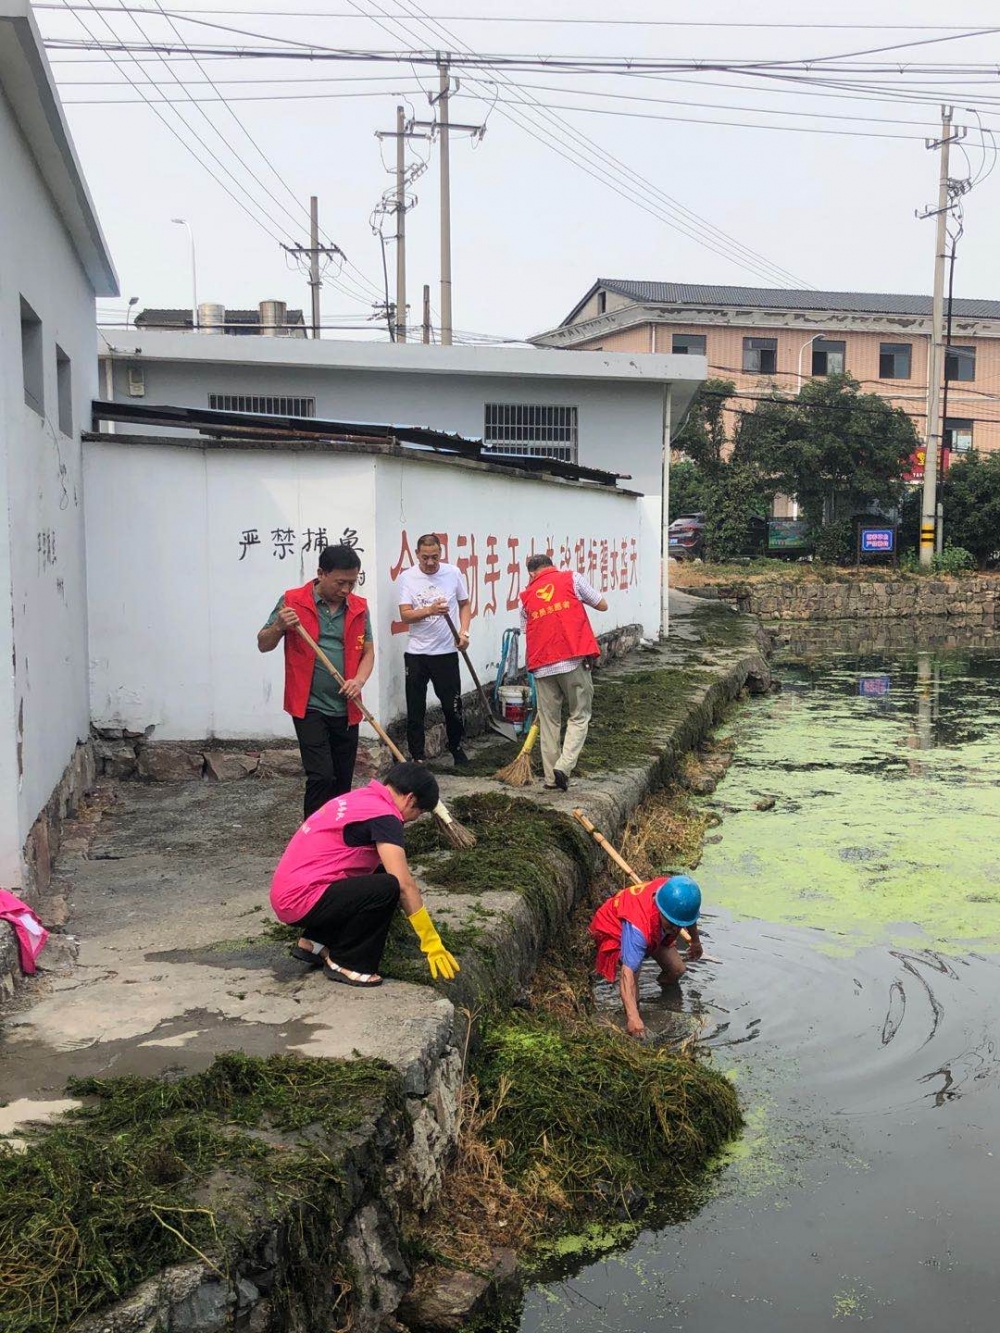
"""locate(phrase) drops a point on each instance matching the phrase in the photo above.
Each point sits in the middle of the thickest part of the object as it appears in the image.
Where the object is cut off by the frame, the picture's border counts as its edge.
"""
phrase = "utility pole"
(929, 516)
(442, 127)
(314, 262)
(400, 226)
(427, 313)
(445, 167)
(313, 252)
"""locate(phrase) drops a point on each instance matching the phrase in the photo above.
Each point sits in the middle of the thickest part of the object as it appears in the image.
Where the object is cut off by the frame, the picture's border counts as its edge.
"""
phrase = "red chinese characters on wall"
(610, 564)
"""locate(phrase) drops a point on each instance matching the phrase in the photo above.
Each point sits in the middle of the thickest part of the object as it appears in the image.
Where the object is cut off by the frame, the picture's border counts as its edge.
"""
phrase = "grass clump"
(585, 1118)
(116, 1190)
(665, 832)
(631, 711)
(516, 842)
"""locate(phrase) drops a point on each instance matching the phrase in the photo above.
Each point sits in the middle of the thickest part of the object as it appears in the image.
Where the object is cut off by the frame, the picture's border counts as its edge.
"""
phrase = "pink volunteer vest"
(318, 855)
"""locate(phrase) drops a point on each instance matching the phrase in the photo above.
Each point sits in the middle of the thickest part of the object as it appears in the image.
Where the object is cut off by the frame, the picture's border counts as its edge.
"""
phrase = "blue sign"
(873, 687)
(878, 541)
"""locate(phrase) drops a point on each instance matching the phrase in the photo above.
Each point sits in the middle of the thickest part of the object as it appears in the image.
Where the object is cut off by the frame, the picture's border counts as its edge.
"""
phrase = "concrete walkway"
(178, 960)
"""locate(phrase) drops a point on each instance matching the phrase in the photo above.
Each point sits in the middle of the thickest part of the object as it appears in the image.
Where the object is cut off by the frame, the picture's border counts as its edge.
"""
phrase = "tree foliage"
(971, 501)
(688, 489)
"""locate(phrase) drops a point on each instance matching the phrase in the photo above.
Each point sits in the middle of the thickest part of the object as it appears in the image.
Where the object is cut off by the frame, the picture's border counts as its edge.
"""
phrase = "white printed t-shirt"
(431, 636)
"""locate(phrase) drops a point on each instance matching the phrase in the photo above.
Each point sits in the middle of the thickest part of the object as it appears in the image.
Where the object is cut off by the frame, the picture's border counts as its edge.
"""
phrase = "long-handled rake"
(620, 861)
(457, 834)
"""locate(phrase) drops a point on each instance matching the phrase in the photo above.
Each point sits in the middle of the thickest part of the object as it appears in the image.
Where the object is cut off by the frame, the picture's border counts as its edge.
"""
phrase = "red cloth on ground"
(31, 934)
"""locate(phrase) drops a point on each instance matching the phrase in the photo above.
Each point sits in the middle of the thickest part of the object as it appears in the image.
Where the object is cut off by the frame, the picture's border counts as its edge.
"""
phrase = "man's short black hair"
(429, 539)
(414, 780)
(536, 562)
(339, 557)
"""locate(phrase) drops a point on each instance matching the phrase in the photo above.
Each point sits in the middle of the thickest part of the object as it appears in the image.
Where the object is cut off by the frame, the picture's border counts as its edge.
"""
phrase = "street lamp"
(132, 300)
(801, 351)
(183, 222)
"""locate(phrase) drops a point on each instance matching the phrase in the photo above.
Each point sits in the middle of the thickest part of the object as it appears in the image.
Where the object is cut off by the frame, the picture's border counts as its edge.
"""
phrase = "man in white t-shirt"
(427, 593)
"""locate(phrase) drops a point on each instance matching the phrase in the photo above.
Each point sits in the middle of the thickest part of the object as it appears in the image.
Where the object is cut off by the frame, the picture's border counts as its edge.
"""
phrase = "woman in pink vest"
(344, 873)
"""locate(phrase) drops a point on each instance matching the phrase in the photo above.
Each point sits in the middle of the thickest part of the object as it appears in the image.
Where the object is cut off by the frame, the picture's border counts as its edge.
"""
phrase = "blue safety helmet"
(679, 900)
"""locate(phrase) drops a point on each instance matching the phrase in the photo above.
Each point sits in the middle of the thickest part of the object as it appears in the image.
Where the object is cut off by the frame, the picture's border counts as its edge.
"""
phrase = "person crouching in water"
(645, 921)
(344, 873)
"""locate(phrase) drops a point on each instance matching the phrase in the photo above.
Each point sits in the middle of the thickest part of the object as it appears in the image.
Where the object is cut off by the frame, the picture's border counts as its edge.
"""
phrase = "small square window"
(895, 361)
(32, 361)
(64, 390)
(689, 344)
(958, 434)
(960, 363)
(760, 355)
(828, 357)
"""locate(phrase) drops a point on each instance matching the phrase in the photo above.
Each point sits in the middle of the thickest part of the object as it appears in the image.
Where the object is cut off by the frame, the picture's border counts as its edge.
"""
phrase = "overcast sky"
(532, 230)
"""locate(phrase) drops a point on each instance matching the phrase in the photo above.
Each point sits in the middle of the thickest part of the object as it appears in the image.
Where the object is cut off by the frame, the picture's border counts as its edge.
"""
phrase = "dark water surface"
(857, 1005)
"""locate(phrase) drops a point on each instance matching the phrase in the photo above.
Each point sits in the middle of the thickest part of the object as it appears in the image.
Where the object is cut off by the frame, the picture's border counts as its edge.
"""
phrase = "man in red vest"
(645, 921)
(561, 649)
(325, 715)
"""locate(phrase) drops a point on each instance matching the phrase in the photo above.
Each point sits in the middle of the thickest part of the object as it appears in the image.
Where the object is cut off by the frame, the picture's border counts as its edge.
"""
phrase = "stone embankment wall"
(973, 600)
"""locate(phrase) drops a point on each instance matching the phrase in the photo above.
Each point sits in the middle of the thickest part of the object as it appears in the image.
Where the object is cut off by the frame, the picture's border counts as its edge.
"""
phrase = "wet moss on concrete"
(155, 1172)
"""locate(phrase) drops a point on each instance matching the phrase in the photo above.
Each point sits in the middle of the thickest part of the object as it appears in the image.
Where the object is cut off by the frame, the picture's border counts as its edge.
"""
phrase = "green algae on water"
(886, 823)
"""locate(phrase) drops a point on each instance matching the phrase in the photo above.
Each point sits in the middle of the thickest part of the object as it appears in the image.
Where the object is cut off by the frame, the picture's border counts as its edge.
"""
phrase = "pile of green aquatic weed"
(516, 845)
(111, 1194)
(584, 1116)
(664, 832)
(631, 712)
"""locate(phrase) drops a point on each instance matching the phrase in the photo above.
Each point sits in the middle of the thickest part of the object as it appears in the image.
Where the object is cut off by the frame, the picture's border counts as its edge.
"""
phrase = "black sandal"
(306, 956)
(361, 980)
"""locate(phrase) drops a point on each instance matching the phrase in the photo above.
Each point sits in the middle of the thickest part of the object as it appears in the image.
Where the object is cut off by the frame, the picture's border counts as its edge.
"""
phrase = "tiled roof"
(767, 298)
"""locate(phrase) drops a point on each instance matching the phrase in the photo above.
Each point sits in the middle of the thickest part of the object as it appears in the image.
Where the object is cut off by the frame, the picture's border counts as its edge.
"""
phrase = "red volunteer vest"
(300, 660)
(318, 856)
(637, 905)
(558, 627)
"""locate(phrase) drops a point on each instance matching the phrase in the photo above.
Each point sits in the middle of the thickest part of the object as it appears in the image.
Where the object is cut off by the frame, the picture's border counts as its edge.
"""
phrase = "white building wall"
(620, 424)
(43, 630)
(185, 565)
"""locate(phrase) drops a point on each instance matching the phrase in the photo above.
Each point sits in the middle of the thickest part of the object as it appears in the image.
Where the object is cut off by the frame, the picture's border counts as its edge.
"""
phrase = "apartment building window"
(272, 407)
(689, 344)
(760, 355)
(960, 363)
(958, 434)
(64, 390)
(32, 361)
(828, 356)
(895, 361)
(530, 430)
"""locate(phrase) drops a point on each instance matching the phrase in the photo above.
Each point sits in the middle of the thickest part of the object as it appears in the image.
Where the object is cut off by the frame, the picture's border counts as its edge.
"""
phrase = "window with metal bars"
(272, 407)
(531, 430)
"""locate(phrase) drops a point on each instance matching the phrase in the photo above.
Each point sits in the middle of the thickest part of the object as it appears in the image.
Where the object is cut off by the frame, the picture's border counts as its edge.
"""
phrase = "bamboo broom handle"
(383, 735)
(619, 860)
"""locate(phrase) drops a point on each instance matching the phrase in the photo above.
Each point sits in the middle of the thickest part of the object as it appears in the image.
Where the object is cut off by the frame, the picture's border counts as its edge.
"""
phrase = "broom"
(518, 772)
(455, 833)
(619, 860)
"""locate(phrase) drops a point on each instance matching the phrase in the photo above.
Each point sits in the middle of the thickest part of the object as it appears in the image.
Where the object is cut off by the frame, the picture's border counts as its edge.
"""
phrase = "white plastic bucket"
(514, 703)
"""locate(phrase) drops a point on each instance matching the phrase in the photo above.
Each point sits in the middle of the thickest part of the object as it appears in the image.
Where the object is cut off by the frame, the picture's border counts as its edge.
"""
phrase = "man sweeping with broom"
(645, 921)
(561, 650)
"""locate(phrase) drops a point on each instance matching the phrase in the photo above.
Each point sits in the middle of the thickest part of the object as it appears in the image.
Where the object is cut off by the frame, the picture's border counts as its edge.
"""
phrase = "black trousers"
(353, 918)
(329, 748)
(441, 671)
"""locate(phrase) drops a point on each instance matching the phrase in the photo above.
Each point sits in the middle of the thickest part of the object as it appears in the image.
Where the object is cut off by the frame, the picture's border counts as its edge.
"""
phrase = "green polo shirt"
(325, 696)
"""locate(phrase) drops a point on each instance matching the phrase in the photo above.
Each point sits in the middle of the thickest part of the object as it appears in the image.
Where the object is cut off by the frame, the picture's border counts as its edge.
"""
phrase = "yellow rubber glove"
(439, 960)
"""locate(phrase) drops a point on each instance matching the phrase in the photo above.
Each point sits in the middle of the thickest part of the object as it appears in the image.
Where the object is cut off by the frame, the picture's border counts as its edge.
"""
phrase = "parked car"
(686, 537)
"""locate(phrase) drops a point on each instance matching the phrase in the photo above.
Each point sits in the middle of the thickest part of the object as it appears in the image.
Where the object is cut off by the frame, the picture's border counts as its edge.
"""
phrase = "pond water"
(856, 1004)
